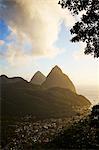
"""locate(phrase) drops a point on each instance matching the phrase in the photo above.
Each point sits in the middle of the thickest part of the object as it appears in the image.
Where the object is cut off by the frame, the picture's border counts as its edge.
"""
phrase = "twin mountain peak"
(56, 78)
(53, 96)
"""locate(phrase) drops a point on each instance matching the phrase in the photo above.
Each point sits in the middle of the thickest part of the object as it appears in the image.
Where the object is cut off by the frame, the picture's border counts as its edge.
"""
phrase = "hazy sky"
(34, 35)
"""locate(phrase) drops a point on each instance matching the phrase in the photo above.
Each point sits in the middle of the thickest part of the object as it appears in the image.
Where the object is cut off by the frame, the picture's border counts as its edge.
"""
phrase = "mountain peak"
(56, 70)
(38, 72)
(38, 78)
(56, 78)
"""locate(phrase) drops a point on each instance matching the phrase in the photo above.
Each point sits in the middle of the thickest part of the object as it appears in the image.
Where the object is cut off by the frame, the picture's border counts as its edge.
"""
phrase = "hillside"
(56, 78)
(38, 78)
(22, 98)
(80, 135)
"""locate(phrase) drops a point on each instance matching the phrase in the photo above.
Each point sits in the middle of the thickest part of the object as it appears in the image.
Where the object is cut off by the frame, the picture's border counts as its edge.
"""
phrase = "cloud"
(36, 22)
(79, 54)
(1, 42)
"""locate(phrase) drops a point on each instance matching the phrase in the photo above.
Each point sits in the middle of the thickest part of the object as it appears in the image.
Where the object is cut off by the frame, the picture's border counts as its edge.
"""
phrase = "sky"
(35, 35)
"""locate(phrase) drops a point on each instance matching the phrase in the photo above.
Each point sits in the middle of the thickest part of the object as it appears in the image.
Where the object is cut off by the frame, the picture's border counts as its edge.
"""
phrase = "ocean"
(90, 92)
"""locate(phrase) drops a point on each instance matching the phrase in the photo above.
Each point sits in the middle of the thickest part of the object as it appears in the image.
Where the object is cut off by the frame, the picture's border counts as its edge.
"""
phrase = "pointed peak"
(56, 68)
(38, 78)
(39, 73)
(55, 71)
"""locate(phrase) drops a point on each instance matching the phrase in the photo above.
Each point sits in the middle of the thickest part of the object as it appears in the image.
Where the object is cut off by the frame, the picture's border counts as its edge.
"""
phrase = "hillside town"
(29, 133)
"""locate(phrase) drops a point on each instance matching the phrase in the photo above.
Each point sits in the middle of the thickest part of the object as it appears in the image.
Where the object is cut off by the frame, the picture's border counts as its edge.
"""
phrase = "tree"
(87, 28)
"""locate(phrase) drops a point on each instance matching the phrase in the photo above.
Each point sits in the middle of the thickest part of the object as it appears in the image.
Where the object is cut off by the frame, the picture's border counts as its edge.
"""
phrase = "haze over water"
(90, 92)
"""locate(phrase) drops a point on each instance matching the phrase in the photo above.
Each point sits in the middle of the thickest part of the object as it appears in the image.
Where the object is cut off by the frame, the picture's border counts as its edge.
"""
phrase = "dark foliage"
(87, 29)
(80, 135)
(95, 116)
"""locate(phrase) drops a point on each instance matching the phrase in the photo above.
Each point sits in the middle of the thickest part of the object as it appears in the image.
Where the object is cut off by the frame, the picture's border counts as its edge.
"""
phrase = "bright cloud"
(1, 42)
(79, 54)
(36, 23)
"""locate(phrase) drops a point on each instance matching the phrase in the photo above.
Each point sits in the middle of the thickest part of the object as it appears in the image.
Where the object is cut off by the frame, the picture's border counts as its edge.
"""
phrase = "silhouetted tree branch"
(87, 29)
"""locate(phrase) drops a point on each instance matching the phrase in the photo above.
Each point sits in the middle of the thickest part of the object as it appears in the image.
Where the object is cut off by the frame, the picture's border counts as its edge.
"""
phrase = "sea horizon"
(91, 92)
